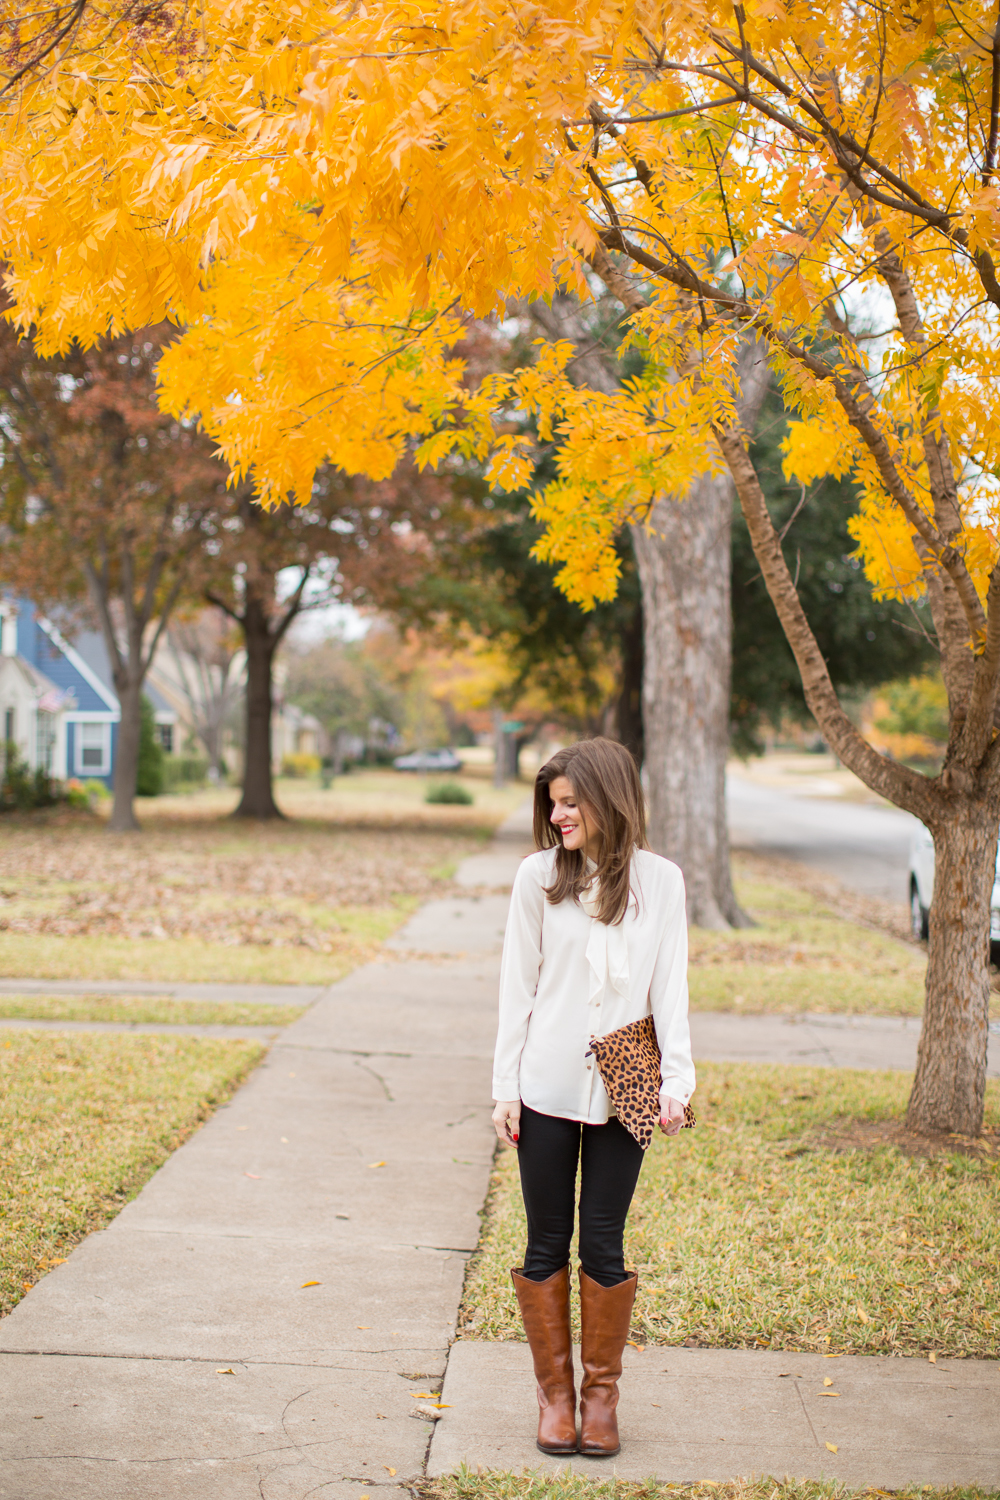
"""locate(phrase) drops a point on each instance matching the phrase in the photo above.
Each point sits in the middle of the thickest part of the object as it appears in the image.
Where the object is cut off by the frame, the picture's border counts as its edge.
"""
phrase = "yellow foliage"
(318, 193)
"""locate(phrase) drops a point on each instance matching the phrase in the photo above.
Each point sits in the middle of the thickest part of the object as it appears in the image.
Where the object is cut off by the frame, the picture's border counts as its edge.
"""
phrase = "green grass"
(146, 1009)
(802, 956)
(788, 1219)
(84, 1123)
(492, 1484)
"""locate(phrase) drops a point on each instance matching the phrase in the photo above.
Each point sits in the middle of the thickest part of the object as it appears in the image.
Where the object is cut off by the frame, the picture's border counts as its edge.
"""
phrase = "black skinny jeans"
(547, 1153)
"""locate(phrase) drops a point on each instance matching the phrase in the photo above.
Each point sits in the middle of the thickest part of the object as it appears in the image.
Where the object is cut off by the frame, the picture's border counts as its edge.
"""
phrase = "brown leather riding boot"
(545, 1313)
(605, 1315)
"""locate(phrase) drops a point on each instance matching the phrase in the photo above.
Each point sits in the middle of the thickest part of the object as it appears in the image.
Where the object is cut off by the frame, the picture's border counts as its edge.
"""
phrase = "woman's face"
(568, 817)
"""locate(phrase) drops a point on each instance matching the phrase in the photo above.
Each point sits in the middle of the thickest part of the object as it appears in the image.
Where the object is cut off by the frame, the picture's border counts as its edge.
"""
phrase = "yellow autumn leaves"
(317, 194)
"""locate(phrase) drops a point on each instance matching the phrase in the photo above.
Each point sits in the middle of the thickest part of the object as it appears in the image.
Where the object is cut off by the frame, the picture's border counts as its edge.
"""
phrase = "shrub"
(300, 765)
(449, 791)
(22, 789)
(149, 771)
(184, 770)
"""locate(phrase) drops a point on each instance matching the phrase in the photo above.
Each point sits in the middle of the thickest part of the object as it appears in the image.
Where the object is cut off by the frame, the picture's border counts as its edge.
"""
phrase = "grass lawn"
(84, 1123)
(147, 1009)
(468, 1484)
(791, 1218)
(198, 896)
(815, 947)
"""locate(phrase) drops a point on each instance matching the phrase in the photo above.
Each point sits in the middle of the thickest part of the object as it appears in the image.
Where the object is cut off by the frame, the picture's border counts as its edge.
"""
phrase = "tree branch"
(904, 787)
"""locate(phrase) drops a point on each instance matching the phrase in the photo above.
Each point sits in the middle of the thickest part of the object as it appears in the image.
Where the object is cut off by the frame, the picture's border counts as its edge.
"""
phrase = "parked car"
(922, 887)
(428, 760)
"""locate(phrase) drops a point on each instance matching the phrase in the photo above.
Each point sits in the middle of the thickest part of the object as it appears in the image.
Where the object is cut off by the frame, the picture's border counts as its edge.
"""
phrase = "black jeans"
(547, 1153)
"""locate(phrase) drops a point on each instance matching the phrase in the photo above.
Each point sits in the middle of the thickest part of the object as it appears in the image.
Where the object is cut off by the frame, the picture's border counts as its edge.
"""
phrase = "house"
(57, 699)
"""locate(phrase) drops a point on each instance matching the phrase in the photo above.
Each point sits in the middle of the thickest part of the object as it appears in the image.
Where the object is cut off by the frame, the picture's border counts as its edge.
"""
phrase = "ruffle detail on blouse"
(607, 951)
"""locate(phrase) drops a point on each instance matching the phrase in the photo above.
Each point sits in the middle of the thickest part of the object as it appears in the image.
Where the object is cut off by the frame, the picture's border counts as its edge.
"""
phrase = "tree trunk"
(950, 1082)
(683, 561)
(258, 792)
(628, 708)
(123, 818)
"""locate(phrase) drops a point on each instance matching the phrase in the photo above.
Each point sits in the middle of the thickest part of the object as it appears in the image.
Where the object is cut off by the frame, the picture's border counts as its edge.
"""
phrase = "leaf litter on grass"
(496, 1484)
(84, 1123)
(772, 1225)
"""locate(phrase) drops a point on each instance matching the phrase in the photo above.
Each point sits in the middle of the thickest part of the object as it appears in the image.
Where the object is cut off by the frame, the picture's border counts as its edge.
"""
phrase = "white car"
(922, 886)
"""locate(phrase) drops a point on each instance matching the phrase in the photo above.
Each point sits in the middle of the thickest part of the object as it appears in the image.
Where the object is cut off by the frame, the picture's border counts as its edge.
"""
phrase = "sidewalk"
(182, 1354)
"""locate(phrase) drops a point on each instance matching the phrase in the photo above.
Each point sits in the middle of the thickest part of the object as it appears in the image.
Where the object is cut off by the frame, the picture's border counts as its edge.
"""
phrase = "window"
(165, 734)
(45, 741)
(8, 724)
(93, 749)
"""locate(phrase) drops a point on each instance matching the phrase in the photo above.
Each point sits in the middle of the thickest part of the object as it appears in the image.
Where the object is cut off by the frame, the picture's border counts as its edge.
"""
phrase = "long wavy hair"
(608, 793)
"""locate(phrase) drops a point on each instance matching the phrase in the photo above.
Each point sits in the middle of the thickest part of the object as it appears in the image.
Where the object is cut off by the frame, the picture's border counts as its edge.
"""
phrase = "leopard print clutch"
(629, 1060)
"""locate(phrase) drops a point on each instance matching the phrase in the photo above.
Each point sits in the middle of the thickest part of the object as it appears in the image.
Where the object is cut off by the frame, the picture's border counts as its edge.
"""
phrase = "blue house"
(57, 699)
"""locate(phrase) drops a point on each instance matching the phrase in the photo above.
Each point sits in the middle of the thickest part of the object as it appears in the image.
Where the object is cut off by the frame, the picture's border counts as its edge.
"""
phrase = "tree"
(340, 684)
(718, 170)
(254, 553)
(206, 656)
(105, 499)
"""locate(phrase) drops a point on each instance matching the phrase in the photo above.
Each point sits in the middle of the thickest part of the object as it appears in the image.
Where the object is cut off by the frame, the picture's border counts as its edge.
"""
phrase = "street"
(866, 846)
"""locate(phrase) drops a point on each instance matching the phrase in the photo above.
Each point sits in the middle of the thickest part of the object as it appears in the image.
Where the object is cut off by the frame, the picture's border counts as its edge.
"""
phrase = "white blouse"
(565, 978)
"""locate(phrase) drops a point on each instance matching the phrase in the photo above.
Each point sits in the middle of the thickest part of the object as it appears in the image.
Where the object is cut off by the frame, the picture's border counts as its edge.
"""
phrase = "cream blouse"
(565, 978)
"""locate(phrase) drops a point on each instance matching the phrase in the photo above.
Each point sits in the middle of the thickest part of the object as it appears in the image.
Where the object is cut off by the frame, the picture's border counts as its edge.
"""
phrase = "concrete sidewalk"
(715, 1414)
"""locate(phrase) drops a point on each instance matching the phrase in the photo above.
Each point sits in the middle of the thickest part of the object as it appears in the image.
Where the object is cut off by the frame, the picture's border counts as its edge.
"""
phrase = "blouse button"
(588, 1067)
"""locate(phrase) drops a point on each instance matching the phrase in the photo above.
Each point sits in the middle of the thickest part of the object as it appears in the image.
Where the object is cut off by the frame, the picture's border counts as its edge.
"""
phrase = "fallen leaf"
(230, 1371)
(424, 1395)
(785, 1375)
(254, 1175)
(443, 1405)
(59, 1260)
(381, 1416)
(827, 1380)
(632, 1344)
(832, 1447)
(312, 1283)
(388, 1470)
(932, 1358)
(833, 1356)
(376, 1164)
(829, 1393)
(364, 1325)
(654, 1403)
(862, 1314)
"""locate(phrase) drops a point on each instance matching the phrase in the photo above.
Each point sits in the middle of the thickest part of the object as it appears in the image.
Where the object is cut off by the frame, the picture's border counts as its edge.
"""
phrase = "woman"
(596, 938)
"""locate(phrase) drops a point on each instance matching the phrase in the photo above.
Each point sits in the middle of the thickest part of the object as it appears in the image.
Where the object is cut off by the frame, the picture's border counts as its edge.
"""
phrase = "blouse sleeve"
(519, 967)
(668, 998)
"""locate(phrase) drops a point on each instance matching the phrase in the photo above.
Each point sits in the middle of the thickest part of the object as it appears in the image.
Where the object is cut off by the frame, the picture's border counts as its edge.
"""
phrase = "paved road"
(865, 846)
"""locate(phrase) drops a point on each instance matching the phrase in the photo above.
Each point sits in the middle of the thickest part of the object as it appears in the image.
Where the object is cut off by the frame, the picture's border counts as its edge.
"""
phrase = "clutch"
(629, 1063)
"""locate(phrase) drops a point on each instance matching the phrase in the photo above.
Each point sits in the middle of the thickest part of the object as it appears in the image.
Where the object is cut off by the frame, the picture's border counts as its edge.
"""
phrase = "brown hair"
(606, 784)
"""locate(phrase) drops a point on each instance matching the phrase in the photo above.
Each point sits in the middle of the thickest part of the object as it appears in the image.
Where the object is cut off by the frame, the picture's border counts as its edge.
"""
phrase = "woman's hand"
(507, 1120)
(671, 1117)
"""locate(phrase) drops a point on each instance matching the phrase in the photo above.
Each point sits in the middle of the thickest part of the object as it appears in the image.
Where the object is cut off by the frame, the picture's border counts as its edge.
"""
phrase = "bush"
(184, 770)
(449, 791)
(149, 771)
(300, 765)
(22, 789)
(85, 793)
